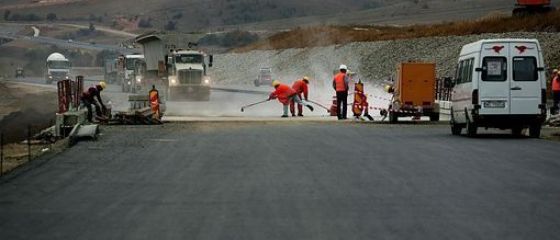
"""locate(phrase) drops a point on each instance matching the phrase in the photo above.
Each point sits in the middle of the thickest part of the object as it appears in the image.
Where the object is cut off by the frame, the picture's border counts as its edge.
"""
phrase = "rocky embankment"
(374, 61)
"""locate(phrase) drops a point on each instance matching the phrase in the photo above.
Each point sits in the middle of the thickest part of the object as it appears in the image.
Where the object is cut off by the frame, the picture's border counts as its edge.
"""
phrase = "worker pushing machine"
(285, 94)
(340, 85)
(301, 88)
(93, 97)
(361, 104)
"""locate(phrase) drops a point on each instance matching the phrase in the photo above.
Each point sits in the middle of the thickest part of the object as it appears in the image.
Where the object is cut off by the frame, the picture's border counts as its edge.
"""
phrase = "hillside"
(192, 15)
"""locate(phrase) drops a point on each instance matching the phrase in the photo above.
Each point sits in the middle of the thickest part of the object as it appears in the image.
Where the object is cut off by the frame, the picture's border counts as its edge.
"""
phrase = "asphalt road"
(288, 181)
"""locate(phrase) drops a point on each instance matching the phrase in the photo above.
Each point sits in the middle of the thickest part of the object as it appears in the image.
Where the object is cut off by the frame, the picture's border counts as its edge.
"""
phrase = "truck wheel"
(456, 129)
(517, 131)
(535, 130)
(393, 117)
(434, 117)
(471, 129)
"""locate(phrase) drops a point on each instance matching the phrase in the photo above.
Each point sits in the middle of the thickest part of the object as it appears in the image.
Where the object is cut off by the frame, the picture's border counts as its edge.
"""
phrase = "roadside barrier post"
(1, 154)
(29, 143)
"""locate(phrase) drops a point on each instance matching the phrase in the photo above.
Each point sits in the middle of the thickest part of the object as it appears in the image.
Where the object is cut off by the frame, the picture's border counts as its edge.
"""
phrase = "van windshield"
(525, 69)
(494, 69)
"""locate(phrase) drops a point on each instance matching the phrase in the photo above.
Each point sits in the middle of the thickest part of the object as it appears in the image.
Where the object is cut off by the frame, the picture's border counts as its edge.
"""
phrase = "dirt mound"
(15, 125)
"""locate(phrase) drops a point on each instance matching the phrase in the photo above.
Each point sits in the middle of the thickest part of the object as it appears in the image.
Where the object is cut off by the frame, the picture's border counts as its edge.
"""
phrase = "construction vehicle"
(174, 62)
(187, 76)
(19, 73)
(58, 68)
(264, 78)
(529, 7)
(110, 70)
(125, 71)
(414, 92)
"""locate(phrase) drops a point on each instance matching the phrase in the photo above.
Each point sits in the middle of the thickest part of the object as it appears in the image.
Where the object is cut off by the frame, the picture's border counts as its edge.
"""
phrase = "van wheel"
(393, 117)
(535, 130)
(471, 129)
(456, 129)
(434, 117)
(517, 131)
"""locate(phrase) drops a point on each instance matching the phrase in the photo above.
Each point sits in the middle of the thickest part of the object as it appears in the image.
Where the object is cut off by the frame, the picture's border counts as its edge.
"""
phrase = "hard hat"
(343, 67)
(555, 70)
(388, 88)
(103, 84)
(306, 79)
(275, 83)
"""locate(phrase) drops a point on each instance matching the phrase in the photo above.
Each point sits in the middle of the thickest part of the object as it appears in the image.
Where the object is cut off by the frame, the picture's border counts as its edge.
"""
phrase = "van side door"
(526, 80)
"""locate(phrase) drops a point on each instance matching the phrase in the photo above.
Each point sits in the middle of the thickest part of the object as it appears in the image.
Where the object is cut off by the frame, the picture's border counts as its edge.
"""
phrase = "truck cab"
(188, 78)
(500, 83)
(127, 67)
(58, 68)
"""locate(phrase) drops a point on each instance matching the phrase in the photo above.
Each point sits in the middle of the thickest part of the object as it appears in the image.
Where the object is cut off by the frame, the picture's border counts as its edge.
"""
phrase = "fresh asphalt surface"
(288, 180)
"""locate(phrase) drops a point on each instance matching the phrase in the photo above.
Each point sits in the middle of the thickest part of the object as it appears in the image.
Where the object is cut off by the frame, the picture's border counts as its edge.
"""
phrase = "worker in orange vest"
(285, 94)
(340, 85)
(555, 91)
(300, 86)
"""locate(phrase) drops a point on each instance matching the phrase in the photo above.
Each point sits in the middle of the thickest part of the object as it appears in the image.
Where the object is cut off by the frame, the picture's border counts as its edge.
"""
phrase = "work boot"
(310, 107)
(300, 115)
(293, 114)
(284, 116)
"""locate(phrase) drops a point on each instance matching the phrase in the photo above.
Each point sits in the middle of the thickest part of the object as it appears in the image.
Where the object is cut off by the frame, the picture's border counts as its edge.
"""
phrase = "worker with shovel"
(285, 94)
(93, 97)
(300, 86)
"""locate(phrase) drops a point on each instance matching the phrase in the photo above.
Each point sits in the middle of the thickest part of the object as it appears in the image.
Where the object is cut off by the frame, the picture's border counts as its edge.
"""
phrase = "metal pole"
(28, 143)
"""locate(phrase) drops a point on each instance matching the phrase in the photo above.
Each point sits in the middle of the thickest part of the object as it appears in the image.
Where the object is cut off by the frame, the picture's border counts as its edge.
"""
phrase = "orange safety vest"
(556, 83)
(154, 102)
(339, 83)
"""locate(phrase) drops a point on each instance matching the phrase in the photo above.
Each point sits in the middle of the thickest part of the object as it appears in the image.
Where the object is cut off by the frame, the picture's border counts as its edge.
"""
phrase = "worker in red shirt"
(93, 97)
(300, 86)
(285, 94)
(555, 91)
(340, 85)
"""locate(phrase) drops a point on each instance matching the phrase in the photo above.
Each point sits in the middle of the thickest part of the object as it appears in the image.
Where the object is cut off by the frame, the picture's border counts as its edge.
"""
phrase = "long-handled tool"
(253, 104)
(320, 105)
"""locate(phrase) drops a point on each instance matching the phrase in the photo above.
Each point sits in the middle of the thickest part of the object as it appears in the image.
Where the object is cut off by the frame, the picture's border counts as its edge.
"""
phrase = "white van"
(500, 83)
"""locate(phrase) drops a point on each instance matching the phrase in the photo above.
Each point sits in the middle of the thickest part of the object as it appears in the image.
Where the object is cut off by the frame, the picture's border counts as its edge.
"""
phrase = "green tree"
(51, 17)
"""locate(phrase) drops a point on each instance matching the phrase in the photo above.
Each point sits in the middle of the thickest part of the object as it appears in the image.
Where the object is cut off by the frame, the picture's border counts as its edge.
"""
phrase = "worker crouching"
(300, 86)
(93, 97)
(285, 94)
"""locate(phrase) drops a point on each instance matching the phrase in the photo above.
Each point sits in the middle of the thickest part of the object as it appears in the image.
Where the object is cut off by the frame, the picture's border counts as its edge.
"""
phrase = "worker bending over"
(93, 97)
(285, 94)
(555, 91)
(300, 86)
(340, 85)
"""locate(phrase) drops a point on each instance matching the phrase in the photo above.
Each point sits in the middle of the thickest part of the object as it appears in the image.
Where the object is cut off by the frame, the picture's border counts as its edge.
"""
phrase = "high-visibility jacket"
(556, 83)
(283, 93)
(340, 83)
(301, 87)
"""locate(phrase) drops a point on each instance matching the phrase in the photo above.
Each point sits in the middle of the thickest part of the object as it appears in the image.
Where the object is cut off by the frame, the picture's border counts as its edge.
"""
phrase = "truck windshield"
(130, 63)
(189, 58)
(525, 69)
(59, 64)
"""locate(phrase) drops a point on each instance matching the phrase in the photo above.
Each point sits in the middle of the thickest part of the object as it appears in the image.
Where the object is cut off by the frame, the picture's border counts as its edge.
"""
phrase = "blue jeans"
(297, 100)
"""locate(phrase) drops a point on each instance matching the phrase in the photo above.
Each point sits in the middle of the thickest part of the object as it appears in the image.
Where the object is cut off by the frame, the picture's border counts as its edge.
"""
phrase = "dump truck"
(414, 92)
(175, 61)
(58, 68)
(126, 65)
(528, 7)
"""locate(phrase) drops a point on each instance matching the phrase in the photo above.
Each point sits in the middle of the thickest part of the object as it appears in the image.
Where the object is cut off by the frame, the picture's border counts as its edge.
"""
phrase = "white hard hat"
(343, 67)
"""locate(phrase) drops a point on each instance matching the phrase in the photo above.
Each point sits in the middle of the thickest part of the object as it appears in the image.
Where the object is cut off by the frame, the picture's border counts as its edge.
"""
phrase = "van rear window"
(525, 69)
(494, 69)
